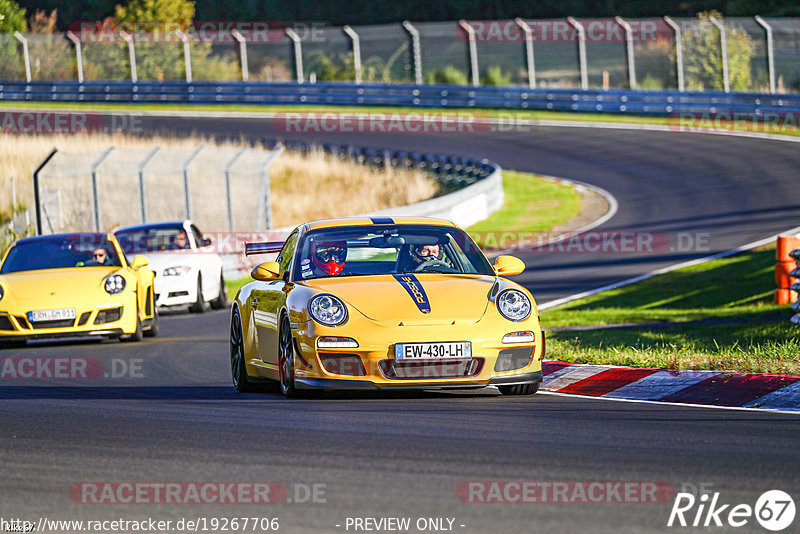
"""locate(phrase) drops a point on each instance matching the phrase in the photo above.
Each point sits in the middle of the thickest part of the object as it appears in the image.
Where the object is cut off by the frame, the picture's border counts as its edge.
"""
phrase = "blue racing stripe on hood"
(415, 290)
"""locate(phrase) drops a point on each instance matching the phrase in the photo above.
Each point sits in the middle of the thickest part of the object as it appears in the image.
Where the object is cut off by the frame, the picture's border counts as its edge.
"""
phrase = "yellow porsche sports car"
(68, 285)
(371, 303)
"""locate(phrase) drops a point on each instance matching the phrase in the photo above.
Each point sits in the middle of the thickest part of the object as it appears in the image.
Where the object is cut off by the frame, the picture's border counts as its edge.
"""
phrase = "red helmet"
(330, 256)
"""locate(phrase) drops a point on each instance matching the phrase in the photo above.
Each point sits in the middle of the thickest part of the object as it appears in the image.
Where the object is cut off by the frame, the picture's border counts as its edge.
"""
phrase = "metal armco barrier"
(662, 102)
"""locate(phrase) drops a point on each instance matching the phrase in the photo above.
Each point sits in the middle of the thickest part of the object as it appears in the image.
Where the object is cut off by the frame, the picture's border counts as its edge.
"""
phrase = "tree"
(703, 56)
(180, 11)
(12, 17)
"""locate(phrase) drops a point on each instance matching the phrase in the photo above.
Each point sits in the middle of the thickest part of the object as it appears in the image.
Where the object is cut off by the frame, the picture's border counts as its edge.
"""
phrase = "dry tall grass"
(304, 187)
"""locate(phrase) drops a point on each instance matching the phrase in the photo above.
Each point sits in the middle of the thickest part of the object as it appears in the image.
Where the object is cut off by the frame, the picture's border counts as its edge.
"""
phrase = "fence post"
(98, 221)
(78, 54)
(581, 51)
(723, 45)
(26, 56)
(37, 199)
(770, 52)
(142, 165)
(13, 204)
(678, 51)
(298, 53)
(416, 51)
(131, 54)
(629, 46)
(528, 51)
(356, 50)
(185, 169)
(473, 51)
(228, 202)
(264, 204)
(187, 54)
(242, 53)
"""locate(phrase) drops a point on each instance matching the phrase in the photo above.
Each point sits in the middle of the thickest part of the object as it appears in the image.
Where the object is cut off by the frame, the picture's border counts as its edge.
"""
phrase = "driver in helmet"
(329, 257)
(424, 253)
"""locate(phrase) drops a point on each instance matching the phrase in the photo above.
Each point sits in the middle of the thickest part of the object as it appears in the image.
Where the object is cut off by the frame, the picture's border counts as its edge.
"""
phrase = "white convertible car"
(188, 270)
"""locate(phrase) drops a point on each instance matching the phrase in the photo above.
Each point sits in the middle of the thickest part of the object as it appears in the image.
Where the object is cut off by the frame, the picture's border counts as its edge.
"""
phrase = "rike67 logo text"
(774, 510)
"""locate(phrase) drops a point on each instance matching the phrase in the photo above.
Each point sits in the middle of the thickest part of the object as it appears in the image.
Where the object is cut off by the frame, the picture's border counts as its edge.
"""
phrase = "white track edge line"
(663, 403)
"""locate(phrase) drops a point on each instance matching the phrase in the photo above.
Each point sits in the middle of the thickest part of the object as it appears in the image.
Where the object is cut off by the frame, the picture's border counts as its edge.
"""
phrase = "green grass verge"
(521, 114)
(531, 205)
(752, 335)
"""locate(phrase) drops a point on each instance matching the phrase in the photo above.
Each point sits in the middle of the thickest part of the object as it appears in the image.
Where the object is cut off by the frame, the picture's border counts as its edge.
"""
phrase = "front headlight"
(114, 284)
(514, 305)
(176, 271)
(1, 292)
(327, 310)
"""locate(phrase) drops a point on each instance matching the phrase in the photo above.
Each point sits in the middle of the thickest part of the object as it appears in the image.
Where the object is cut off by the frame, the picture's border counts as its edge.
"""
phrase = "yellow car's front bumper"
(113, 320)
(372, 365)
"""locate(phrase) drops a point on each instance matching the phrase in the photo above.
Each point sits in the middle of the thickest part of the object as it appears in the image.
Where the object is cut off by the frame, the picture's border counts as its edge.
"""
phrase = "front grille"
(430, 370)
(84, 318)
(178, 294)
(108, 316)
(60, 323)
(343, 364)
(22, 321)
(5, 323)
(513, 359)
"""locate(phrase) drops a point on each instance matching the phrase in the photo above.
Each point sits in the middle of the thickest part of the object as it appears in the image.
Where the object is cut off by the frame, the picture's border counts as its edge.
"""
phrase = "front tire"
(199, 305)
(238, 367)
(222, 297)
(286, 359)
(138, 335)
(519, 389)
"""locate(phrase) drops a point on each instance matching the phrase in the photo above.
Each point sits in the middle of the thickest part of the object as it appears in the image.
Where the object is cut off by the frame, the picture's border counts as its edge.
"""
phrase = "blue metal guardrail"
(664, 102)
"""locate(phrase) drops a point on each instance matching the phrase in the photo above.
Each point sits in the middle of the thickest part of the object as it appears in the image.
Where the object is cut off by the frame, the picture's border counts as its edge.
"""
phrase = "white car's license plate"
(422, 351)
(51, 315)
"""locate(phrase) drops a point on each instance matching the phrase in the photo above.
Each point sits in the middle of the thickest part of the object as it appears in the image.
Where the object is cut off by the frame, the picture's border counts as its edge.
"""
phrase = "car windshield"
(60, 251)
(365, 250)
(153, 238)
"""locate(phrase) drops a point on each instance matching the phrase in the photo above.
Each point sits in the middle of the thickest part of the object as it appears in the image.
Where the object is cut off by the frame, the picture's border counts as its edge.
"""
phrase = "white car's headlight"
(327, 310)
(114, 284)
(514, 305)
(176, 271)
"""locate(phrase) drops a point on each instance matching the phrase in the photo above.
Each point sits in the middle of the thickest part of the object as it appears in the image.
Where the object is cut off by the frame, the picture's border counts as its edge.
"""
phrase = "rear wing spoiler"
(263, 247)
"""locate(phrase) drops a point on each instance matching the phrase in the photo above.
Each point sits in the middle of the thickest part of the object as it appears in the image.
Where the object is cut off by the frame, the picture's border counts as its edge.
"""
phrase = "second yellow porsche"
(366, 303)
(68, 285)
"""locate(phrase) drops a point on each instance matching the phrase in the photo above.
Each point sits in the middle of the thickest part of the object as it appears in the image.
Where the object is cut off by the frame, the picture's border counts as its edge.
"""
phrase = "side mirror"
(139, 261)
(508, 265)
(267, 272)
(206, 242)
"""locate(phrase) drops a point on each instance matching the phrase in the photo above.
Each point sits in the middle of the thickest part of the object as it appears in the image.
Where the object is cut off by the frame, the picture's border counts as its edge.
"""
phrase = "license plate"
(51, 315)
(423, 351)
